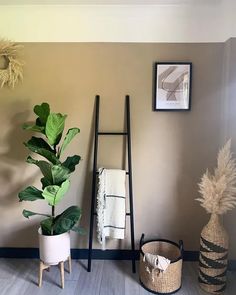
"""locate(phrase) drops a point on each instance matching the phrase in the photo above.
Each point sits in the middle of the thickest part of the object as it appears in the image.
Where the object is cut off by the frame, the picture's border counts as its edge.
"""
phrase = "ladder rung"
(95, 213)
(112, 133)
(127, 173)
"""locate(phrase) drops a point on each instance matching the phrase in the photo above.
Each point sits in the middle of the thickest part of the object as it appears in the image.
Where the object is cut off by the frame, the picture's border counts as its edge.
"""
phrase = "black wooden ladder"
(129, 173)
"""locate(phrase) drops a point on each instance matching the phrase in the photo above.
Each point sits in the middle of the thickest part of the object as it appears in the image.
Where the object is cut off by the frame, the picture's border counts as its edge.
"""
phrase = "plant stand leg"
(69, 264)
(62, 273)
(42, 266)
(40, 273)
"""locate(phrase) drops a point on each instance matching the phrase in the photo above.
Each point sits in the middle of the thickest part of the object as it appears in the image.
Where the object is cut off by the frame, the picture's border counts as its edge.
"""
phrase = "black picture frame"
(172, 86)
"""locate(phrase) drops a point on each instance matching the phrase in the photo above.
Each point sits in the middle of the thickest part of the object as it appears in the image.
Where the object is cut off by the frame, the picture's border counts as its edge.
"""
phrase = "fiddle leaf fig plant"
(56, 173)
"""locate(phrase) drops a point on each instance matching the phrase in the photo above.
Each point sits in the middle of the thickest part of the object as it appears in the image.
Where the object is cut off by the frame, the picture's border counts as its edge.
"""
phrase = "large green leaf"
(50, 156)
(50, 193)
(45, 182)
(67, 220)
(54, 193)
(43, 112)
(47, 226)
(44, 166)
(33, 127)
(53, 174)
(71, 133)
(27, 214)
(54, 127)
(31, 193)
(39, 123)
(40, 143)
(71, 162)
(59, 174)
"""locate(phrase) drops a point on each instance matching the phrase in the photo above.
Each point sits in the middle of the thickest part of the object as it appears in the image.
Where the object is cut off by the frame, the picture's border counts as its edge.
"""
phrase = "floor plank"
(19, 276)
(90, 282)
(132, 285)
(113, 278)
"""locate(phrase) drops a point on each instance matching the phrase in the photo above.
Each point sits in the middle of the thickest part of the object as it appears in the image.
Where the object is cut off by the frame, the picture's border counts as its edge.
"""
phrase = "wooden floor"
(19, 277)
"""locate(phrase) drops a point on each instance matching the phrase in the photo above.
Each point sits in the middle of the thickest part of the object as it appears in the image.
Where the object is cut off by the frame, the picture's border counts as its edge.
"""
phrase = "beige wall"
(171, 150)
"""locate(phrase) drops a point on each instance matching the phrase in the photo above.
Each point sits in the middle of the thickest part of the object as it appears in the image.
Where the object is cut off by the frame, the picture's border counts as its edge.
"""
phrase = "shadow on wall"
(23, 237)
(199, 139)
(13, 155)
(82, 241)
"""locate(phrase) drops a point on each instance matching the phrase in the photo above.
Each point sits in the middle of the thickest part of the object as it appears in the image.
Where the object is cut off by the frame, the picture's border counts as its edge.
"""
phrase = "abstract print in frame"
(172, 86)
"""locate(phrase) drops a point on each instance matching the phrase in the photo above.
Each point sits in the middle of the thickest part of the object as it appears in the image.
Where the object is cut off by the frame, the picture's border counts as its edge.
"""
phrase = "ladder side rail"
(93, 184)
(130, 183)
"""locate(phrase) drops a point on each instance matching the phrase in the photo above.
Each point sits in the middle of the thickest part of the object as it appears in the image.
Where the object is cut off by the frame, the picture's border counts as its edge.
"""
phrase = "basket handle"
(141, 242)
(181, 247)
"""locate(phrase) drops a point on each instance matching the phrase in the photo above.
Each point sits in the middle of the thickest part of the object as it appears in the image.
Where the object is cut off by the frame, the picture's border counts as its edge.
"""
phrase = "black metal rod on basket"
(141, 242)
(181, 247)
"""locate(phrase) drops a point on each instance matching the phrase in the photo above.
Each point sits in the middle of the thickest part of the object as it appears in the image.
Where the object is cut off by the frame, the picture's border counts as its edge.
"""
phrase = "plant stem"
(55, 150)
(53, 212)
(53, 207)
(53, 216)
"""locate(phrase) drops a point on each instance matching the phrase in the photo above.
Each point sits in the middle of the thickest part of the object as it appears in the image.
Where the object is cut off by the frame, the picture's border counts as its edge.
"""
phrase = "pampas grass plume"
(218, 190)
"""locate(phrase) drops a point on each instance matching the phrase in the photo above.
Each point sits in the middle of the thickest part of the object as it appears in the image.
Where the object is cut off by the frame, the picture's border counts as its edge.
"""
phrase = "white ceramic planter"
(54, 249)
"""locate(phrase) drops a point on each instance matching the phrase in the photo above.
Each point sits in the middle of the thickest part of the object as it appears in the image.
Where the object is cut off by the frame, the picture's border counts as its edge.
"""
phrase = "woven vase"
(213, 256)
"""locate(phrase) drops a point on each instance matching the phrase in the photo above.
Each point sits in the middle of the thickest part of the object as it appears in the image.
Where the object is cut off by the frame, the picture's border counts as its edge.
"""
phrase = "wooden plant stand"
(43, 266)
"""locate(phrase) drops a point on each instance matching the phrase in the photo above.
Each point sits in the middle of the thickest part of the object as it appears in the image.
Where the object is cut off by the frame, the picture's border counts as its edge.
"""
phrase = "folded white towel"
(111, 204)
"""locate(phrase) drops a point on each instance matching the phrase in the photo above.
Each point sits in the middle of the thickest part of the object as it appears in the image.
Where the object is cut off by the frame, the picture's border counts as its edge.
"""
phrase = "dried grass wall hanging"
(218, 195)
(12, 72)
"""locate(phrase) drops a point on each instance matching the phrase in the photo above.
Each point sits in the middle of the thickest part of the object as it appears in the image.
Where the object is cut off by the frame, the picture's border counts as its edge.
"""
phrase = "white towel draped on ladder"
(111, 204)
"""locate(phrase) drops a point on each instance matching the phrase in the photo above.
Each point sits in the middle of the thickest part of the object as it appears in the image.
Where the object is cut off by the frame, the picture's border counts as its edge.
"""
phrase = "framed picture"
(172, 86)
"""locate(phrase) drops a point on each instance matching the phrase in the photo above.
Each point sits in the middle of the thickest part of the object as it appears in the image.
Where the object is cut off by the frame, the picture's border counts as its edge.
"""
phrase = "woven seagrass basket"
(213, 257)
(167, 282)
